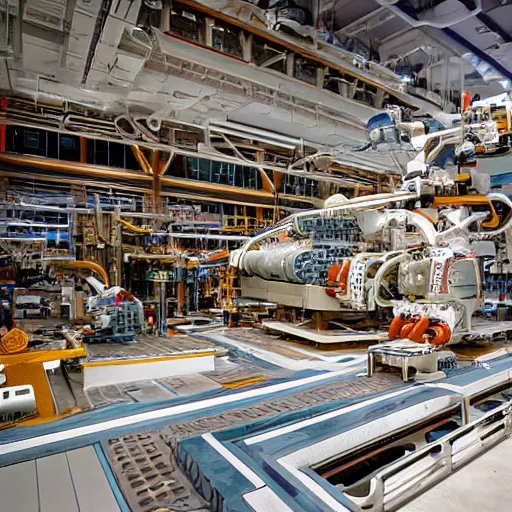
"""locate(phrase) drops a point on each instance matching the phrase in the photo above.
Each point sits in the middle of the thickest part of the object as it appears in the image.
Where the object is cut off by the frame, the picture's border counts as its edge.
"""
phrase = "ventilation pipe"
(445, 20)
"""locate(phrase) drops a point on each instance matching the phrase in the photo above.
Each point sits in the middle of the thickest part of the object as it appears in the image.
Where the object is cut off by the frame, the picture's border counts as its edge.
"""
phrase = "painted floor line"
(234, 461)
(318, 419)
(167, 412)
(283, 361)
(259, 484)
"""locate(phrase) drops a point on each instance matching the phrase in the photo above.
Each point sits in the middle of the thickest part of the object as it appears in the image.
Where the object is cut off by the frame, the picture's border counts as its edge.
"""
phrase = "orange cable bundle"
(14, 342)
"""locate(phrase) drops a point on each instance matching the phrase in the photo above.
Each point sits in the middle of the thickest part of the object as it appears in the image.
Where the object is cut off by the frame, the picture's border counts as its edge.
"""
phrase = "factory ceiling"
(425, 30)
(115, 56)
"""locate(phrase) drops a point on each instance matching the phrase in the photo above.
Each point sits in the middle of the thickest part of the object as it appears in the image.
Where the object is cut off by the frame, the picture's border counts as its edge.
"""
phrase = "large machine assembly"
(415, 255)
(255, 255)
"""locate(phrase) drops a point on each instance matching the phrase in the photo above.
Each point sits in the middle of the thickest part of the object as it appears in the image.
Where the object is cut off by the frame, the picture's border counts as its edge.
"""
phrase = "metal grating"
(149, 476)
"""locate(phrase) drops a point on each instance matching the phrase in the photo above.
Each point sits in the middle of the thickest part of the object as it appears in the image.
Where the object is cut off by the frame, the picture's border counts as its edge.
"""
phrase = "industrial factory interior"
(255, 255)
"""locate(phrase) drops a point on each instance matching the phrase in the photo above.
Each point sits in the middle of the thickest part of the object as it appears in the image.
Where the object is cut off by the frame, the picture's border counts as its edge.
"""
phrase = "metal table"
(403, 354)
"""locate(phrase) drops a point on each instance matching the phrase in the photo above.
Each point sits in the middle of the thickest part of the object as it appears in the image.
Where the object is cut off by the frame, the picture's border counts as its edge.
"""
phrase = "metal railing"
(404, 479)
(242, 223)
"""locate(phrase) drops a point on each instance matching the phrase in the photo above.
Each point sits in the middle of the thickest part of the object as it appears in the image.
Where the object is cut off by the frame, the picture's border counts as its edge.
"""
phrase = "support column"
(3, 128)
(165, 18)
(466, 410)
(247, 42)
(181, 298)
(83, 150)
(157, 183)
(117, 248)
(290, 64)
(320, 77)
(162, 309)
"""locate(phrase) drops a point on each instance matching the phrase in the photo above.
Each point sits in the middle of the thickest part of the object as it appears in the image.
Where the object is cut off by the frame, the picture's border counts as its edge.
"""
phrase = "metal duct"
(278, 265)
(442, 21)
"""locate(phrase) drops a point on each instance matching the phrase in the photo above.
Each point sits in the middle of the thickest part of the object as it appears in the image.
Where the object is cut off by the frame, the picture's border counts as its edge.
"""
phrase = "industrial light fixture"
(482, 29)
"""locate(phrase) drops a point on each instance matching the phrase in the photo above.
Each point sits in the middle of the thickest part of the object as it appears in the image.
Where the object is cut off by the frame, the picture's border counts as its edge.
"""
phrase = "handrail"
(444, 448)
(64, 166)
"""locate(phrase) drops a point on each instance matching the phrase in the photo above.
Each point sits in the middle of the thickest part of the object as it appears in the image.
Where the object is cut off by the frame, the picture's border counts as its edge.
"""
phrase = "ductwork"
(445, 20)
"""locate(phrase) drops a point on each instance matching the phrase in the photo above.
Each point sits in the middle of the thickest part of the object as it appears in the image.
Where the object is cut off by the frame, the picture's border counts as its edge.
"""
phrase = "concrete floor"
(483, 485)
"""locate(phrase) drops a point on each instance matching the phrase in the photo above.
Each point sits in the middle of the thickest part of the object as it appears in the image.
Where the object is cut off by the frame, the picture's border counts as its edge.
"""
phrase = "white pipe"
(371, 201)
(23, 239)
(250, 130)
(143, 256)
(424, 225)
(461, 225)
(40, 207)
(202, 236)
(246, 135)
(259, 238)
(448, 21)
(375, 200)
(34, 225)
(358, 202)
(379, 276)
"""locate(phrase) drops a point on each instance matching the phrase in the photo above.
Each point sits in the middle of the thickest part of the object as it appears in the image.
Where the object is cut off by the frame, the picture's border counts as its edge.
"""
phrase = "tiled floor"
(72, 481)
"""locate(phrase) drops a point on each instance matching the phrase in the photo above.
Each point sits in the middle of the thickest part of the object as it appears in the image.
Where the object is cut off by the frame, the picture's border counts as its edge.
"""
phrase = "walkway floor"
(481, 486)
(67, 482)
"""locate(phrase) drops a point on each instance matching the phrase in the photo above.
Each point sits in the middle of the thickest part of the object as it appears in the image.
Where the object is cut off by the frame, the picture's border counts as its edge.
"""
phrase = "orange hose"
(406, 329)
(219, 256)
(416, 333)
(437, 338)
(467, 101)
(332, 275)
(344, 277)
(130, 227)
(424, 214)
(443, 334)
(395, 326)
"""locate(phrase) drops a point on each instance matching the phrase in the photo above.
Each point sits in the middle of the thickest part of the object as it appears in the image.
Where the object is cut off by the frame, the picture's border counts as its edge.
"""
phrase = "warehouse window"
(187, 25)
(31, 140)
(69, 148)
(111, 154)
(305, 70)
(226, 39)
(116, 155)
